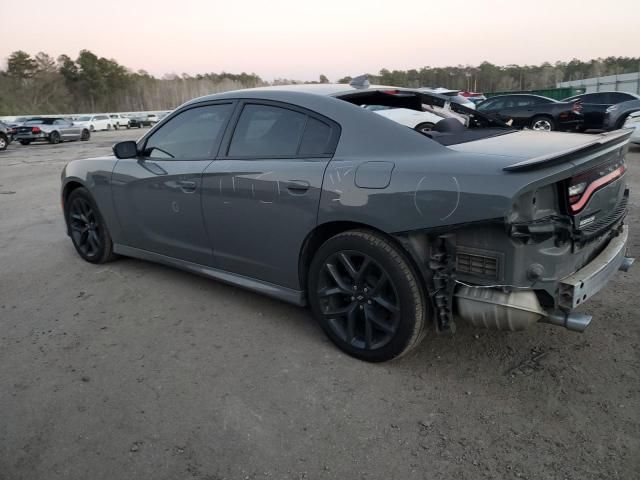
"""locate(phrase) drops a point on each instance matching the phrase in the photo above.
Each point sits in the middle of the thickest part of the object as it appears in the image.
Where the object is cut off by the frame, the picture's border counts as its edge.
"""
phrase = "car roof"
(324, 89)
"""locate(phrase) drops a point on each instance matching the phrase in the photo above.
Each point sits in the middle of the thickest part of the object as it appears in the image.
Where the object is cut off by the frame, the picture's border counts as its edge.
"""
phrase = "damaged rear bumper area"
(517, 309)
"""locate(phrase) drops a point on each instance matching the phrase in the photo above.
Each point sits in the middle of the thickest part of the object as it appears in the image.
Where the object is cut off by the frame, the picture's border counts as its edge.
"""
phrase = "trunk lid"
(587, 171)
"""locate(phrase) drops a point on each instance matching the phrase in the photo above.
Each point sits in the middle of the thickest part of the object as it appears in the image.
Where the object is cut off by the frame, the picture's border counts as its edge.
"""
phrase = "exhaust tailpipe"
(577, 322)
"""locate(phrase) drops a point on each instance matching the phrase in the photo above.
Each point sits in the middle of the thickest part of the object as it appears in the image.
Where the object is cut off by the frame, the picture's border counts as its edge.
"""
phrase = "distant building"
(625, 82)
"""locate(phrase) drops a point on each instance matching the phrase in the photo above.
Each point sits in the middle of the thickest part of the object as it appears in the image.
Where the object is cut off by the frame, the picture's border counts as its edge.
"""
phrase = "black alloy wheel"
(85, 135)
(366, 296)
(87, 229)
(359, 300)
(54, 138)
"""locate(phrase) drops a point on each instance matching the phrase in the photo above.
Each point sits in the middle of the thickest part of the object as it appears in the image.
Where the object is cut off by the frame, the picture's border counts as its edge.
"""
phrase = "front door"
(261, 195)
(157, 196)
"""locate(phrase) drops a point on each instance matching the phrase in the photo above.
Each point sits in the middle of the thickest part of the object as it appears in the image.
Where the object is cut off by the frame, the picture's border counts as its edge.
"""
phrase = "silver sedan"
(52, 130)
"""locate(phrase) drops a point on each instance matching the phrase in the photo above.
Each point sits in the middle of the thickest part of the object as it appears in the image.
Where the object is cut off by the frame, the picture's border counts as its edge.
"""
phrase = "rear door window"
(264, 131)
(267, 131)
(619, 97)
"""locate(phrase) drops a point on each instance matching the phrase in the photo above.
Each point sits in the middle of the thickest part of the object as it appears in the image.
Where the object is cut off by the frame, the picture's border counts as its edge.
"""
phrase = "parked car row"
(580, 113)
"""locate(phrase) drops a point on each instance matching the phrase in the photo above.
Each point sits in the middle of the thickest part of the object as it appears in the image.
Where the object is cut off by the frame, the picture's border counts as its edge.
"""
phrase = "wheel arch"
(69, 186)
(322, 233)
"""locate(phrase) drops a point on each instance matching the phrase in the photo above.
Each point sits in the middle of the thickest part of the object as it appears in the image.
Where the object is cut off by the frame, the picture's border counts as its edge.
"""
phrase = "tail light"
(581, 187)
(35, 130)
(577, 107)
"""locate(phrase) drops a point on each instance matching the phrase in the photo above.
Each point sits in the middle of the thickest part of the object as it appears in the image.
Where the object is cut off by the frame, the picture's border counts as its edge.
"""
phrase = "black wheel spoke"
(366, 263)
(385, 326)
(382, 281)
(368, 330)
(351, 323)
(346, 262)
(329, 291)
(337, 278)
(386, 304)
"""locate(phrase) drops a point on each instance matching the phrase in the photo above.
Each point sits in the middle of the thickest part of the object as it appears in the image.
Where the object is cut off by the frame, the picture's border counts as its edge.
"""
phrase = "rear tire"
(542, 123)
(86, 135)
(424, 127)
(4, 142)
(366, 296)
(54, 138)
(89, 233)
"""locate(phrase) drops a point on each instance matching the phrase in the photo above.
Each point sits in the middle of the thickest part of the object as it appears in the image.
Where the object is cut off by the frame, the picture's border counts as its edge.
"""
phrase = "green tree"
(21, 65)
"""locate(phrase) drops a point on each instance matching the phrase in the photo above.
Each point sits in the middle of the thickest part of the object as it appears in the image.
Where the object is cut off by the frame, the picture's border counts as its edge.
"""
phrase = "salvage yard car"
(52, 130)
(94, 122)
(596, 105)
(299, 193)
(118, 121)
(534, 111)
(6, 135)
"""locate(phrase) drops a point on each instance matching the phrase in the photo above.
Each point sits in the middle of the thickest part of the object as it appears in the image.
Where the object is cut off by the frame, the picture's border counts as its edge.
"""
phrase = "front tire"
(4, 142)
(366, 296)
(89, 233)
(542, 124)
(85, 135)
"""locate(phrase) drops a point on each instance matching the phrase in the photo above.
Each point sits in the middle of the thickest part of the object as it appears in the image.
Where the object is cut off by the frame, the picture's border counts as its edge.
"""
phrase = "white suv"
(94, 122)
(118, 121)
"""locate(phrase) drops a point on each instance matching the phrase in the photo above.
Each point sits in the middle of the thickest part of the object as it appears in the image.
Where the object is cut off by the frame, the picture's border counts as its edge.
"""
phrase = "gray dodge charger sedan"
(300, 193)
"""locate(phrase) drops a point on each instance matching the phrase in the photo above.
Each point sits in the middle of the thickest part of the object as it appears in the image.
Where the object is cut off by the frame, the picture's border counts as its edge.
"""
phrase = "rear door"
(157, 196)
(261, 195)
(593, 107)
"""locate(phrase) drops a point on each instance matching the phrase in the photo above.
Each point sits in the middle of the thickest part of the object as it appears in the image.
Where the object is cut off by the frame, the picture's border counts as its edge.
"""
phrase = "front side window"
(191, 135)
(267, 131)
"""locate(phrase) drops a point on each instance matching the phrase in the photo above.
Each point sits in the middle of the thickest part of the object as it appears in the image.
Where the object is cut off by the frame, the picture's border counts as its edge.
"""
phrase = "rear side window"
(317, 139)
(191, 135)
(618, 97)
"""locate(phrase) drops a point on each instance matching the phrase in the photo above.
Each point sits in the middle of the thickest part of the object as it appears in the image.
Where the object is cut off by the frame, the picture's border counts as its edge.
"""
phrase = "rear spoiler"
(609, 138)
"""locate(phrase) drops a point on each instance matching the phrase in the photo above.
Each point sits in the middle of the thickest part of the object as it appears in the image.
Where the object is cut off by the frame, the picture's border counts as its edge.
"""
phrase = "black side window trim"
(142, 143)
(235, 117)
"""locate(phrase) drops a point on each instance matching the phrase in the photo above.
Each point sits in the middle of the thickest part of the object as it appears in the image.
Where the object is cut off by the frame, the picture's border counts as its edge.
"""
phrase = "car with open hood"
(386, 233)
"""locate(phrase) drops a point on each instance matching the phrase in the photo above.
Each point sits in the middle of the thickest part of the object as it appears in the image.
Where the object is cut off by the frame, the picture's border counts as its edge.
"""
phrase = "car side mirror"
(128, 149)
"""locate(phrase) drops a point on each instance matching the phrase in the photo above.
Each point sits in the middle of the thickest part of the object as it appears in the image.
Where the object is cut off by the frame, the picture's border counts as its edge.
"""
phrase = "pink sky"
(298, 39)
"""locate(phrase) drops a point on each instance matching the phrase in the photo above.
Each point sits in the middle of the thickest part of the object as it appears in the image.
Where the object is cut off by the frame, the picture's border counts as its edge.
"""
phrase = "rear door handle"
(188, 186)
(298, 187)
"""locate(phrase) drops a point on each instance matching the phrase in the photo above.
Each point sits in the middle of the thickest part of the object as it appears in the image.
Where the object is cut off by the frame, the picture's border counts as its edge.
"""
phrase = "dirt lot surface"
(132, 370)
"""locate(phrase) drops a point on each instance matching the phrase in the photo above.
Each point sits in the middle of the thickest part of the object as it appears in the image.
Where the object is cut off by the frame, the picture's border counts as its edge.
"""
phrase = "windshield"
(84, 119)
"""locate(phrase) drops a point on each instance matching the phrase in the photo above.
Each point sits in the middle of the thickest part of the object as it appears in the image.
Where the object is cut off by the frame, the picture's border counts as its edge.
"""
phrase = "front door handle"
(188, 186)
(298, 187)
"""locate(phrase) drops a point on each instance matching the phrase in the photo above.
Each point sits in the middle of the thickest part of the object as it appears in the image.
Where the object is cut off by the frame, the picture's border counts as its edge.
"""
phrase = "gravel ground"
(132, 370)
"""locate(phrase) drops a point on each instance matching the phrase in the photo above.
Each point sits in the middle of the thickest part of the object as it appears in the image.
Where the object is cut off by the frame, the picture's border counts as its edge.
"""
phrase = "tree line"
(488, 77)
(42, 84)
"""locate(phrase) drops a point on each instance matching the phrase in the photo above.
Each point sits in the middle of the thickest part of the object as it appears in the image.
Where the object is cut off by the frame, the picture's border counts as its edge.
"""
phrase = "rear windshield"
(40, 121)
